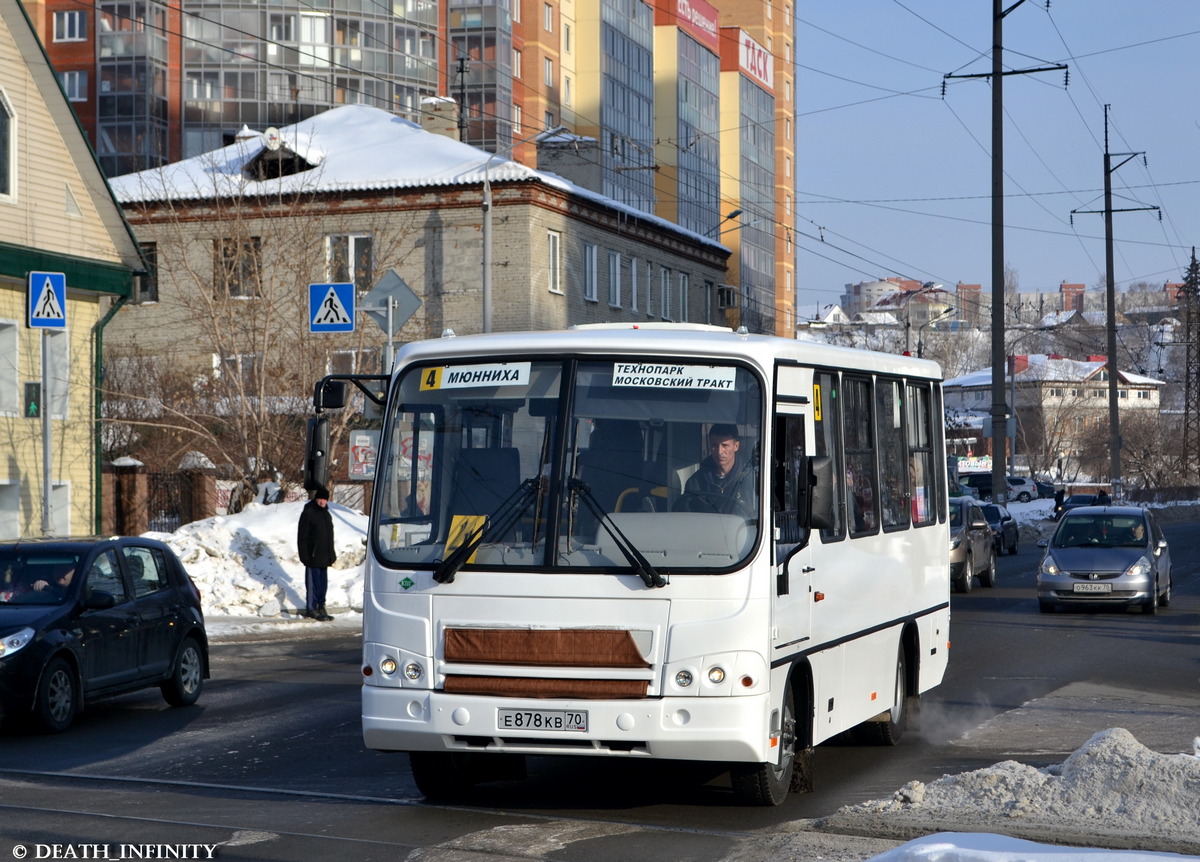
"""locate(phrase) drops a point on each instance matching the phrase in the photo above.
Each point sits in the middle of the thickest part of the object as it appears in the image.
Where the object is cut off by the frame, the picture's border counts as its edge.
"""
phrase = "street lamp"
(716, 231)
(921, 329)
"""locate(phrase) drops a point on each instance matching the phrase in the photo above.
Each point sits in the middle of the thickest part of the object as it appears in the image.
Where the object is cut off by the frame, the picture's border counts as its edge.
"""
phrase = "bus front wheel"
(769, 783)
(442, 776)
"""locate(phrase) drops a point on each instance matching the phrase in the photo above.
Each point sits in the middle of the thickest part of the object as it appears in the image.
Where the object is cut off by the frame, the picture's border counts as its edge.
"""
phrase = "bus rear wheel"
(770, 783)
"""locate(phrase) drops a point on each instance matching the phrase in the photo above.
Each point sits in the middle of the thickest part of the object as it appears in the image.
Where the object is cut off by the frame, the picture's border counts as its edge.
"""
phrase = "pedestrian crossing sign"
(47, 300)
(331, 307)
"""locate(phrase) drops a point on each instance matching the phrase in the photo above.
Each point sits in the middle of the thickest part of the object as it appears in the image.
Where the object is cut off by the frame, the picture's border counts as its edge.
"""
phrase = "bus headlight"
(413, 671)
(683, 679)
(388, 666)
(716, 675)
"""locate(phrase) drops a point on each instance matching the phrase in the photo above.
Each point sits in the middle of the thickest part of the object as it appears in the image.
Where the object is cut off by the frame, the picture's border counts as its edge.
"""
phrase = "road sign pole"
(47, 460)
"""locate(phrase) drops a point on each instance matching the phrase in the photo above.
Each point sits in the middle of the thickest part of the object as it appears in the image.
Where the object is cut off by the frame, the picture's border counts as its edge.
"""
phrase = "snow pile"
(245, 565)
(1112, 784)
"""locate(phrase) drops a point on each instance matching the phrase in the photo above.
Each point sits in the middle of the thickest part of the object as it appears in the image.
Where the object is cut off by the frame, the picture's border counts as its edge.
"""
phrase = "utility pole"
(462, 99)
(1114, 414)
(1190, 300)
(1000, 409)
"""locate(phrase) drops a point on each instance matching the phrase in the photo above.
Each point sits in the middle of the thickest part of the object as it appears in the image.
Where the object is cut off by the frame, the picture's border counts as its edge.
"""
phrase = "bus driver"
(724, 481)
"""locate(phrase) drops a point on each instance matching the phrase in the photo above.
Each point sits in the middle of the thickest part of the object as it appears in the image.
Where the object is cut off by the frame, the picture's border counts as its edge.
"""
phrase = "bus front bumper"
(724, 729)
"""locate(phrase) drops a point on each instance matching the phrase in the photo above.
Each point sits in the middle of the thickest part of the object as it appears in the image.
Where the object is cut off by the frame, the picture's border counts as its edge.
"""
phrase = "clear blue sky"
(897, 178)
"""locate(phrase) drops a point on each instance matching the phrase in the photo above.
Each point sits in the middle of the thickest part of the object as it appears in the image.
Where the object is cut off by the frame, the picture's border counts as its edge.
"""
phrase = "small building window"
(70, 26)
(237, 267)
(590, 256)
(147, 282)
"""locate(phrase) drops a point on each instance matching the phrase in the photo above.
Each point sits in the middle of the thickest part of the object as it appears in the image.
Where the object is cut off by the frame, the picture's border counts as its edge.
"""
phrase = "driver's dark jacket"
(733, 493)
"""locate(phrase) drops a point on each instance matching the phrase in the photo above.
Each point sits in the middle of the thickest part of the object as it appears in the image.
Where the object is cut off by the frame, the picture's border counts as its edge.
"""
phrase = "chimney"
(572, 157)
(439, 115)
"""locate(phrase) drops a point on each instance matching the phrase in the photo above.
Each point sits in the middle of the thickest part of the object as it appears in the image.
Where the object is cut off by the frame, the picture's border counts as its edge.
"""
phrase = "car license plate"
(542, 719)
(1093, 588)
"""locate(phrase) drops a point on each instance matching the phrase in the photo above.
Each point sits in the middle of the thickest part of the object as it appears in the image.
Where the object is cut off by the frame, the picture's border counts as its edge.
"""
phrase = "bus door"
(792, 550)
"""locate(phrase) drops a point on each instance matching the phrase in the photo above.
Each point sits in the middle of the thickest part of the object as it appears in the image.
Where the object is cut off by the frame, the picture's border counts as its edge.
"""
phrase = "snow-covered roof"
(881, 318)
(1051, 369)
(352, 148)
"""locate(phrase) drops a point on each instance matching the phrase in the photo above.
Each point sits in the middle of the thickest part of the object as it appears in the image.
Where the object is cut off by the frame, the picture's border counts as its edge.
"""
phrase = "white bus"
(661, 541)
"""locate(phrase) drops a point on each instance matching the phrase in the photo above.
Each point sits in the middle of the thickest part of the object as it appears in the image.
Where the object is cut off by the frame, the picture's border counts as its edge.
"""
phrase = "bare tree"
(229, 366)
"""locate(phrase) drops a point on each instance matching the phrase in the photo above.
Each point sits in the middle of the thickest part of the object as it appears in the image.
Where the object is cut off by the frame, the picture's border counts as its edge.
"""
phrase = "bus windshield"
(555, 464)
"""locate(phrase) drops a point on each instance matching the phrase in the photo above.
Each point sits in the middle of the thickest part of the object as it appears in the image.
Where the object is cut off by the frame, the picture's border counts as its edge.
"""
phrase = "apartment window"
(614, 279)
(787, 14)
(664, 293)
(566, 38)
(75, 85)
(348, 258)
(590, 258)
(516, 63)
(787, 127)
(10, 383)
(633, 284)
(787, 166)
(649, 289)
(567, 89)
(554, 251)
(8, 147)
(70, 26)
(518, 116)
(516, 11)
(548, 17)
(147, 283)
(548, 120)
(237, 267)
(684, 282)
(549, 65)
(726, 296)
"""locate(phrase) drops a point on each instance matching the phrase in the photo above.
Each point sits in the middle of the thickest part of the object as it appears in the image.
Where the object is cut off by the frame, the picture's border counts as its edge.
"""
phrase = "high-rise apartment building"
(684, 126)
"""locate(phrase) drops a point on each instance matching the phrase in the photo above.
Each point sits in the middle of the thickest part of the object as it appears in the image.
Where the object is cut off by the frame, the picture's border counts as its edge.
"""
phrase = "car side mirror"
(1043, 543)
(99, 600)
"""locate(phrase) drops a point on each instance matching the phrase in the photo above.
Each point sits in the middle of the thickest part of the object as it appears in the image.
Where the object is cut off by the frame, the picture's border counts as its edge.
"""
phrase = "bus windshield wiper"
(640, 564)
(494, 525)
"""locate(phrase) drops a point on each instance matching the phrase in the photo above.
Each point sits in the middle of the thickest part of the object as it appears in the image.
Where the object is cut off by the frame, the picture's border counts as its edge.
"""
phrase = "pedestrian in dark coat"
(314, 540)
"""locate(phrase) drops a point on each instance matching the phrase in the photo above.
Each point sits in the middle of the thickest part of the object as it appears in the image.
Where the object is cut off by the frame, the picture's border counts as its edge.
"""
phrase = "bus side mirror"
(330, 394)
(816, 493)
(316, 454)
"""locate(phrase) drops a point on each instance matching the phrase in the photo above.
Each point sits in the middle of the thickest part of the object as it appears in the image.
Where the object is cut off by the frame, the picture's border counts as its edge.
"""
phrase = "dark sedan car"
(1074, 501)
(1004, 527)
(82, 619)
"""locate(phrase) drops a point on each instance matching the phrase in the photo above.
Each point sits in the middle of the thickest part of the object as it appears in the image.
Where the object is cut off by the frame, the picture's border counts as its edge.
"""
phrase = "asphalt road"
(270, 763)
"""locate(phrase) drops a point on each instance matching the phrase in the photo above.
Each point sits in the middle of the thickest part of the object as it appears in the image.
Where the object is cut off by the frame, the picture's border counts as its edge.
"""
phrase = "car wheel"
(1150, 605)
(187, 677)
(1024, 497)
(57, 698)
(963, 584)
(988, 578)
(1165, 598)
(769, 783)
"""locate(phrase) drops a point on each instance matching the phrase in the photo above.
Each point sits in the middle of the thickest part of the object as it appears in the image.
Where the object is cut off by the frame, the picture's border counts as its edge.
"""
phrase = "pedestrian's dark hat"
(322, 494)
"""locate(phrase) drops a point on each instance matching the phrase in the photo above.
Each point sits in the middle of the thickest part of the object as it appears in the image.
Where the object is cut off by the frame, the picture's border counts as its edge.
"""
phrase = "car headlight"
(10, 644)
(1049, 567)
(1140, 569)
(955, 541)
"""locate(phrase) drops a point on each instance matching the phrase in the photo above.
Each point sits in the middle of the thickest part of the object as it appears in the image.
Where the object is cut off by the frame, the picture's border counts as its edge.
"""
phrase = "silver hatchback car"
(1106, 555)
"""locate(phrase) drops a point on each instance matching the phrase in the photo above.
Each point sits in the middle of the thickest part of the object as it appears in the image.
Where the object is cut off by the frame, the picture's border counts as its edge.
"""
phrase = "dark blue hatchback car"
(82, 619)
